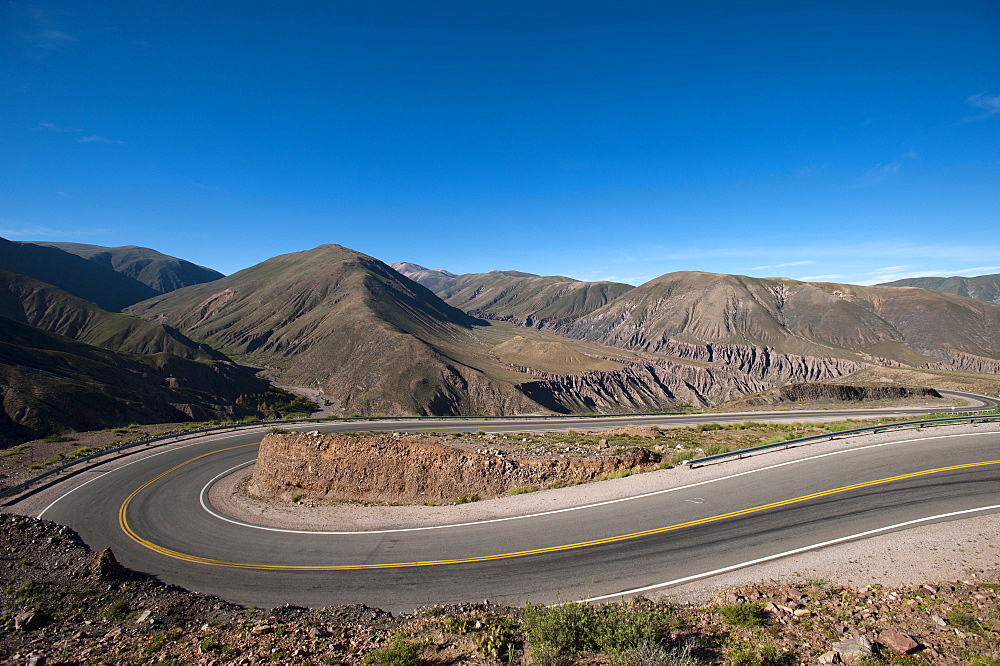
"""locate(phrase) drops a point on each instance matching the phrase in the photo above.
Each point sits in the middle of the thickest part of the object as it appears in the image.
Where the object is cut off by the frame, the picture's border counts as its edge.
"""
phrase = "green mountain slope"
(983, 287)
(525, 299)
(51, 384)
(85, 279)
(41, 305)
(154, 269)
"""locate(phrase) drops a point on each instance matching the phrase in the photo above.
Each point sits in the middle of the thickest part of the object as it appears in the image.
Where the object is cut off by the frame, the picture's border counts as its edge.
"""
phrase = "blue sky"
(847, 141)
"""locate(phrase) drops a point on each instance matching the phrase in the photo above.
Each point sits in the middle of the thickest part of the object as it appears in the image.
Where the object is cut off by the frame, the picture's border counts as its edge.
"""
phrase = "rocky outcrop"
(660, 383)
(836, 393)
(408, 470)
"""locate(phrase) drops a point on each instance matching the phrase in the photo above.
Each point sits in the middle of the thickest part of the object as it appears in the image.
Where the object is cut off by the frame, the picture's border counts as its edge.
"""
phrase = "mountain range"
(67, 363)
(983, 287)
(403, 339)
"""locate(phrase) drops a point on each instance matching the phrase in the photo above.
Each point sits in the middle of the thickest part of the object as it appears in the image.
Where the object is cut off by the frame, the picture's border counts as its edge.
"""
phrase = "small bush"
(962, 618)
(466, 498)
(397, 652)
(562, 483)
(521, 490)
(681, 456)
(615, 629)
(619, 474)
(766, 655)
(744, 614)
(52, 439)
(116, 611)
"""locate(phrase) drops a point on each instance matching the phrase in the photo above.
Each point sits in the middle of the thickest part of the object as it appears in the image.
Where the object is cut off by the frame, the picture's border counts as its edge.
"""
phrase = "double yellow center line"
(127, 529)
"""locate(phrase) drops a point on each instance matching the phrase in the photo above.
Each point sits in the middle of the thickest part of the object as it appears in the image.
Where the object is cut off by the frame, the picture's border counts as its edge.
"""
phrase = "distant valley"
(386, 339)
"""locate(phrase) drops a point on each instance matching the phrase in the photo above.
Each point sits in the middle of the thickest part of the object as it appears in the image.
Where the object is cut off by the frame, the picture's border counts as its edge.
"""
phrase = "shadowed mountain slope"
(159, 271)
(983, 288)
(51, 384)
(528, 300)
(49, 308)
(85, 279)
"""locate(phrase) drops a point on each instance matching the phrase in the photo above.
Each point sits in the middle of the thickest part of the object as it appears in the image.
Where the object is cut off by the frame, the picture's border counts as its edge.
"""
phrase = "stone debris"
(897, 642)
(28, 621)
(853, 650)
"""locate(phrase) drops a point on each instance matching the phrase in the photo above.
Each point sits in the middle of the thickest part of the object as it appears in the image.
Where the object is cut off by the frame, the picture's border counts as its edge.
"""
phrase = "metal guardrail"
(763, 448)
(173, 438)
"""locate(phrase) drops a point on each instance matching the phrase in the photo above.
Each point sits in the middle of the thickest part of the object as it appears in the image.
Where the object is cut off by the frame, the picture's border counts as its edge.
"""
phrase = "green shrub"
(521, 490)
(619, 474)
(466, 498)
(116, 611)
(744, 614)
(562, 483)
(682, 455)
(52, 439)
(498, 638)
(397, 652)
(766, 655)
(614, 629)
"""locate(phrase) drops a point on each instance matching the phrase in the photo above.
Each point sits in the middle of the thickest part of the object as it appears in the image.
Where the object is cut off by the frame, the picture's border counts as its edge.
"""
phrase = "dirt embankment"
(415, 470)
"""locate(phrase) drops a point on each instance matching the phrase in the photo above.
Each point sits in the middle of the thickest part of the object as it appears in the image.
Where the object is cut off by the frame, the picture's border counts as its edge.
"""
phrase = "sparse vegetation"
(278, 400)
(744, 614)
(397, 652)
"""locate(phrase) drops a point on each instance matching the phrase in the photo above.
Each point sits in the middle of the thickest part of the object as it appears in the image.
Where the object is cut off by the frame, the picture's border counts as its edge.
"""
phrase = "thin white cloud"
(90, 138)
(34, 232)
(900, 251)
(989, 104)
(806, 262)
(890, 269)
(57, 128)
(48, 40)
(821, 278)
(878, 174)
(809, 170)
(93, 138)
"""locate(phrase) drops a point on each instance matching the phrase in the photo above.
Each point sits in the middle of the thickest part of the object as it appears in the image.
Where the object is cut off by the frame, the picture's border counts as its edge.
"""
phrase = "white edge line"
(211, 511)
(787, 553)
(152, 455)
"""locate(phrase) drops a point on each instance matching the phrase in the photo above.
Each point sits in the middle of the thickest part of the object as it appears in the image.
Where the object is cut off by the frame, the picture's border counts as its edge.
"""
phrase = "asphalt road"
(149, 510)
